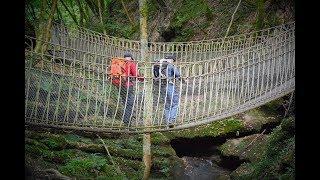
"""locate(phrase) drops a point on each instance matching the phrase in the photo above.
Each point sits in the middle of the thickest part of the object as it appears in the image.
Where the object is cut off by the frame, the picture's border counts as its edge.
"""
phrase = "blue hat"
(170, 57)
(127, 54)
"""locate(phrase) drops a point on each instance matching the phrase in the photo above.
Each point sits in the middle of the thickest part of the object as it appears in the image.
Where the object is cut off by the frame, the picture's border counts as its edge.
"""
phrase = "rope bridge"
(66, 84)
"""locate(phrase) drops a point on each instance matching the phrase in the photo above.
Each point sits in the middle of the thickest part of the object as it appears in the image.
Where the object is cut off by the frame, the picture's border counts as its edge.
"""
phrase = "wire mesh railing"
(68, 87)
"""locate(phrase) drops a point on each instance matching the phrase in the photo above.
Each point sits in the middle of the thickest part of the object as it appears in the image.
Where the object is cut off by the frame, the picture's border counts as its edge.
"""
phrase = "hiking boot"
(169, 126)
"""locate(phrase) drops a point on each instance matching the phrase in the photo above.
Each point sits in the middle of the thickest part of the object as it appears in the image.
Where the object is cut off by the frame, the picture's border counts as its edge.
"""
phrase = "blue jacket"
(172, 72)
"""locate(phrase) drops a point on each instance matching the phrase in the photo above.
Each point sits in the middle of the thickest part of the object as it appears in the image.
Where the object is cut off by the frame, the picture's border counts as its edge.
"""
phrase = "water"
(200, 168)
(201, 160)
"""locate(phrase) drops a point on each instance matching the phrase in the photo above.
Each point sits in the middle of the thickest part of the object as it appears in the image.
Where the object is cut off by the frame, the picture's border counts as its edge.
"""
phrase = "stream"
(201, 159)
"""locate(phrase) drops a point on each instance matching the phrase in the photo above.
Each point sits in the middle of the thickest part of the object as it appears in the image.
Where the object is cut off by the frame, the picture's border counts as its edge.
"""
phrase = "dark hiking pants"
(127, 96)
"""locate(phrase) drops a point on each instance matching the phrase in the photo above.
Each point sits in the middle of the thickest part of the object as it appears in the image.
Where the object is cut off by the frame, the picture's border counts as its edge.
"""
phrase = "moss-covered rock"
(250, 147)
(214, 129)
(278, 160)
(243, 170)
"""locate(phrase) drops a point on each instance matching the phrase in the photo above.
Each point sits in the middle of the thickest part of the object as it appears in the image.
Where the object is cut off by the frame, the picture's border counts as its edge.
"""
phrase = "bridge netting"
(67, 85)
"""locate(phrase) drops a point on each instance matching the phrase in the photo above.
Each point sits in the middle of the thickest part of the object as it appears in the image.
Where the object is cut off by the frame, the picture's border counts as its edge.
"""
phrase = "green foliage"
(119, 29)
(189, 10)
(209, 13)
(279, 157)
(184, 34)
(163, 165)
(153, 7)
(189, 13)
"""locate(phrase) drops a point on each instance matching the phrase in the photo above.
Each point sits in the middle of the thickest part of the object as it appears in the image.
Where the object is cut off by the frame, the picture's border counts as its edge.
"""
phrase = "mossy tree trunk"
(100, 3)
(39, 29)
(44, 32)
(260, 14)
(147, 114)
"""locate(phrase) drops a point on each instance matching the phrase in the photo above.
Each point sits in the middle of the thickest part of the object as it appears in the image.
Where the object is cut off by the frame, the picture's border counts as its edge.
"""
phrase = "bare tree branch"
(231, 21)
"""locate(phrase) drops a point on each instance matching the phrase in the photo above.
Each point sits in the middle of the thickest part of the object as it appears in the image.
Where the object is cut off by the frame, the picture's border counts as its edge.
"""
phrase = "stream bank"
(239, 147)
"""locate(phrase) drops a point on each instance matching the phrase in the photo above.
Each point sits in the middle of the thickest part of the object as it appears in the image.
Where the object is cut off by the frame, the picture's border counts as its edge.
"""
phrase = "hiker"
(128, 70)
(166, 69)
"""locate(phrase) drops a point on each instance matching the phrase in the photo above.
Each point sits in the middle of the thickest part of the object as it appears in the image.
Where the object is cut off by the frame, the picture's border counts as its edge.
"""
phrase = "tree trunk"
(261, 14)
(147, 114)
(39, 30)
(101, 18)
(231, 21)
(47, 32)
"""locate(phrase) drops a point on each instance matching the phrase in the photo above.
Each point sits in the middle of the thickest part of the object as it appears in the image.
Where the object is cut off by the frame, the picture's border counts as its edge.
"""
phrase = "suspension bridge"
(66, 84)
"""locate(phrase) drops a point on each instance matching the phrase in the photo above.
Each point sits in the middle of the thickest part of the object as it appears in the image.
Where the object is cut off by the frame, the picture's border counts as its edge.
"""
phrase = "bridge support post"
(147, 113)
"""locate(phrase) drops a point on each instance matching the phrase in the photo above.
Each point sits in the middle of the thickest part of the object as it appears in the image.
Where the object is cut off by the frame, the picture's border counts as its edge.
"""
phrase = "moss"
(262, 115)
(242, 170)
(261, 14)
(130, 143)
(38, 149)
(76, 138)
(279, 157)
(38, 144)
(131, 168)
(115, 148)
(288, 124)
(162, 165)
(90, 166)
(35, 150)
(214, 129)
(54, 142)
(240, 147)
(164, 151)
(159, 138)
(134, 164)
(66, 155)
(272, 106)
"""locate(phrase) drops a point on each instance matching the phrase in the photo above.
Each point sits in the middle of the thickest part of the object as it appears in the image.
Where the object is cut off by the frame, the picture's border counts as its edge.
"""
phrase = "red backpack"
(117, 68)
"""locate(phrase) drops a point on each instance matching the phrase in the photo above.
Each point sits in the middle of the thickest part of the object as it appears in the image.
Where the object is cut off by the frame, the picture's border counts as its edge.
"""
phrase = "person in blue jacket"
(172, 74)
